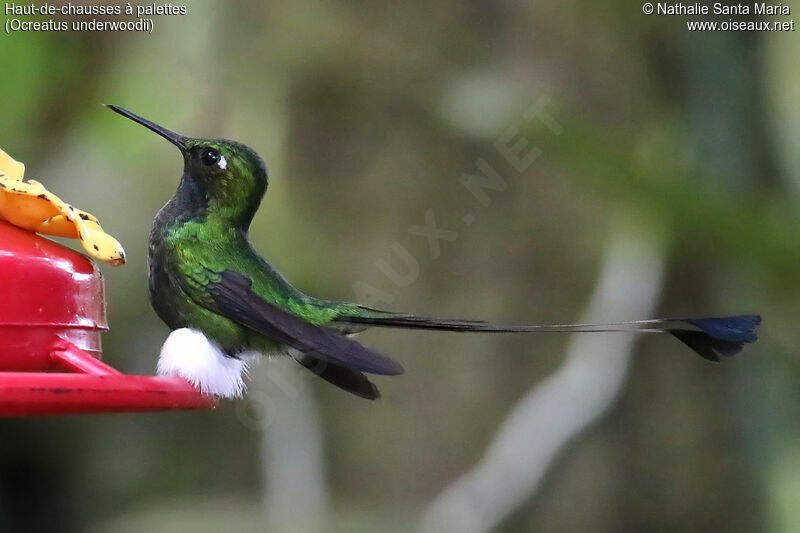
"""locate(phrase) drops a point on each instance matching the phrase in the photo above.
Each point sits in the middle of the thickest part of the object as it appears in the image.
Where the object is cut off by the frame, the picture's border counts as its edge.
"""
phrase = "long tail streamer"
(709, 337)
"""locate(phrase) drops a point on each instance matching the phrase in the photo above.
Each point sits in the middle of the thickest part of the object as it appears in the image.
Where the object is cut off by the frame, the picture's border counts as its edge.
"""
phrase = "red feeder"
(52, 313)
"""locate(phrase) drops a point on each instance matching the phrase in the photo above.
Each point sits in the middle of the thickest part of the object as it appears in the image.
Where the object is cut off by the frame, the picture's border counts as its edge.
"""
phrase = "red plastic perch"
(95, 387)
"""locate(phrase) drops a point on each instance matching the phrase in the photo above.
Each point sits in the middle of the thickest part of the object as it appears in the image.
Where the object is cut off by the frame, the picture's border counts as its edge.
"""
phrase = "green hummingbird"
(205, 276)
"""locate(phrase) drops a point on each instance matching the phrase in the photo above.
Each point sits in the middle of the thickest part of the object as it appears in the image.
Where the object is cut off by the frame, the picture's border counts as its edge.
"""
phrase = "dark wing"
(231, 296)
(345, 378)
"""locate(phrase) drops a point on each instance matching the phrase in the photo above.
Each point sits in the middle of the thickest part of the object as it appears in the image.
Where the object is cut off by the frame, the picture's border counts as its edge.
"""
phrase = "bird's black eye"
(209, 157)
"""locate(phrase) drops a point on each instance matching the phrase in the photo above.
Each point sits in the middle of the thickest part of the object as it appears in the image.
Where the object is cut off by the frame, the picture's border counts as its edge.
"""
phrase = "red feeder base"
(94, 387)
(52, 314)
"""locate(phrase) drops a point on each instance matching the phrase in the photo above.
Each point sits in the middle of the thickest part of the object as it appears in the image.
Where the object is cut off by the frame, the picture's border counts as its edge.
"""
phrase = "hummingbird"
(219, 296)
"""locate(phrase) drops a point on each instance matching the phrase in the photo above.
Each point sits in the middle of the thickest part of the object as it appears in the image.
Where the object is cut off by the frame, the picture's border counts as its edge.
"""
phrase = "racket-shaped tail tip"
(719, 336)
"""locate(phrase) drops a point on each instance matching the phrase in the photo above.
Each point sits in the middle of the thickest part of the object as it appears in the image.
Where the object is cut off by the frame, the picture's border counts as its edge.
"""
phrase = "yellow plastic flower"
(30, 206)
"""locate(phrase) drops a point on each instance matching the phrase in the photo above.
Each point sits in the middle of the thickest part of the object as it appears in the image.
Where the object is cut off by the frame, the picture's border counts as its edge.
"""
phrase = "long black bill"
(174, 138)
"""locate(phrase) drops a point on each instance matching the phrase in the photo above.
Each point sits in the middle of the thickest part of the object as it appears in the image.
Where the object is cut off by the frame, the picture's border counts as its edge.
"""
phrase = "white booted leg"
(189, 354)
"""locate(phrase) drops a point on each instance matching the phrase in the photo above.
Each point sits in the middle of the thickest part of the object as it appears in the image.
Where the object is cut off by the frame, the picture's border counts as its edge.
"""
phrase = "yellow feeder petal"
(32, 207)
(60, 205)
(85, 227)
(99, 243)
(59, 226)
(11, 168)
(87, 216)
(24, 204)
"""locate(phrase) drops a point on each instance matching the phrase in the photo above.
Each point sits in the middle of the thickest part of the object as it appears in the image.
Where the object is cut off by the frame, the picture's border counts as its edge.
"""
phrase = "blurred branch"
(555, 411)
(292, 455)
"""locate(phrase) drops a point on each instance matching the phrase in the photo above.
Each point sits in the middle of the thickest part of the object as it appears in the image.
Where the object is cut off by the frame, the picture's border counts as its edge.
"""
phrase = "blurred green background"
(368, 116)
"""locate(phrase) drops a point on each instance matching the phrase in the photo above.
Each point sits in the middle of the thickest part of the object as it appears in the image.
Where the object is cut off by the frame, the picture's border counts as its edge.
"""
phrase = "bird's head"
(230, 176)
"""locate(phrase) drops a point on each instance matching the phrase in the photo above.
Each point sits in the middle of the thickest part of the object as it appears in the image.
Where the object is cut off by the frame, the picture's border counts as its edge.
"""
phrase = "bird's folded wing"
(347, 379)
(229, 293)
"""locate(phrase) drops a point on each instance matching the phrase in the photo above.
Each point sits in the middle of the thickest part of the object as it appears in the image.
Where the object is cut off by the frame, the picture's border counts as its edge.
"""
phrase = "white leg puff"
(189, 354)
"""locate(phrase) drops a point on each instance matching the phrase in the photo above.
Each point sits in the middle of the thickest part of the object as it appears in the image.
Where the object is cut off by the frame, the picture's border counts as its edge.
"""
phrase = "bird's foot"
(189, 354)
